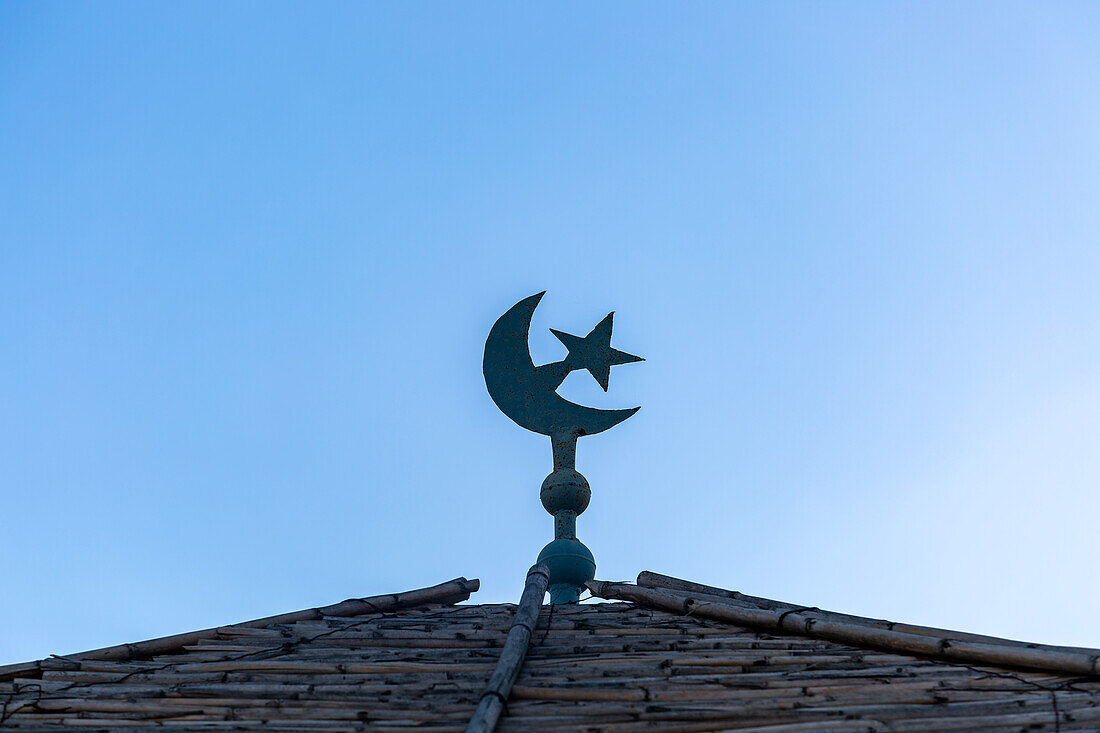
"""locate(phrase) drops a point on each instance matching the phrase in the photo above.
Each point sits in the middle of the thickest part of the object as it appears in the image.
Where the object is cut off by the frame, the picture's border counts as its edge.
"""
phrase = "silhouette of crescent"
(526, 393)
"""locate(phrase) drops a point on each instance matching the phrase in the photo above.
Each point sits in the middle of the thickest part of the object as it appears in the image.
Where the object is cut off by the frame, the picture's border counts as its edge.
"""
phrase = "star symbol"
(594, 352)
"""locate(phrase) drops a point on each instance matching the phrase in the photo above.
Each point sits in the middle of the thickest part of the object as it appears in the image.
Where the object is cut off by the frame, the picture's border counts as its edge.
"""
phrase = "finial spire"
(528, 395)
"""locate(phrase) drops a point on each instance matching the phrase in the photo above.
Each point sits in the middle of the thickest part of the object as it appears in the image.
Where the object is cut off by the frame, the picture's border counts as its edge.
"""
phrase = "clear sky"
(249, 255)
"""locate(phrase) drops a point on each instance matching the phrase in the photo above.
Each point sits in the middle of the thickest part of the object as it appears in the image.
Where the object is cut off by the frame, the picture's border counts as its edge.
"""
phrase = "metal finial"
(528, 395)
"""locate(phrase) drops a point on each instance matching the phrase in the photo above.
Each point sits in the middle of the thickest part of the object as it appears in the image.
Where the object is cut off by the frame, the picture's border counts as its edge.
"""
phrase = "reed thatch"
(658, 663)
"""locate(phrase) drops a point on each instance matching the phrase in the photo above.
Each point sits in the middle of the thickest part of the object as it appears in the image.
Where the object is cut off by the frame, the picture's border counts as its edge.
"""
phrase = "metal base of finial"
(565, 494)
(564, 593)
(571, 566)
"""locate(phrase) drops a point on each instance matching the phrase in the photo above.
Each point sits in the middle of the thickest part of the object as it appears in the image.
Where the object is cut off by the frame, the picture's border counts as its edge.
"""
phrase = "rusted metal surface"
(527, 393)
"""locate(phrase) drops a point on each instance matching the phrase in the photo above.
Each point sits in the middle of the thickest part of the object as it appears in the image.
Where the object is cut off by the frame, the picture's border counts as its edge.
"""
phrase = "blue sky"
(249, 255)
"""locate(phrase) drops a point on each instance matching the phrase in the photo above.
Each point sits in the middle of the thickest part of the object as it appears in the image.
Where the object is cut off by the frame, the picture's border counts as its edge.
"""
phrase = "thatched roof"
(674, 657)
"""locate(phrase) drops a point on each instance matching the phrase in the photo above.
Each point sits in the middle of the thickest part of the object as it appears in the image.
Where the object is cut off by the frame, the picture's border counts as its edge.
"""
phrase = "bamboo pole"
(453, 591)
(656, 580)
(807, 623)
(504, 676)
(649, 579)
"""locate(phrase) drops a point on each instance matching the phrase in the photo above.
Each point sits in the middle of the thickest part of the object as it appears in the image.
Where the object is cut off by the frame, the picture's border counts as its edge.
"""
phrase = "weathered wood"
(1068, 660)
(496, 693)
(453, 591)
(649, 579)
(615, 667)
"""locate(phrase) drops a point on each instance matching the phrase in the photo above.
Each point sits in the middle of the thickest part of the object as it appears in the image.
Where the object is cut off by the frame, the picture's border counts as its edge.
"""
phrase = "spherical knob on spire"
(565, 488)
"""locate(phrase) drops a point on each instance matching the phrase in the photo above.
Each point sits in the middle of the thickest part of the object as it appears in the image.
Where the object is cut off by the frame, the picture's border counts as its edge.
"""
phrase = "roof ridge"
(448, 593)
(494, 700)
(833, 627)
(650, 579)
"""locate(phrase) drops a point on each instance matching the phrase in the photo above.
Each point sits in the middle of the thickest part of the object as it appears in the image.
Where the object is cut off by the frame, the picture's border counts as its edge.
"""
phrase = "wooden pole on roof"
(453, 591)
(808, 622)
(511, 657)
(702, 592)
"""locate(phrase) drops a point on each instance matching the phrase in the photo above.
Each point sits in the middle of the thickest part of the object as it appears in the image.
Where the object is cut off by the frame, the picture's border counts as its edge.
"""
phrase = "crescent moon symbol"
(526, 393)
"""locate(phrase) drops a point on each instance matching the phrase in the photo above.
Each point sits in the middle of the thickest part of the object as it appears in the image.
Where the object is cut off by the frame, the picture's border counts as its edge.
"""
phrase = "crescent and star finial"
(528, 395)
